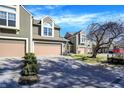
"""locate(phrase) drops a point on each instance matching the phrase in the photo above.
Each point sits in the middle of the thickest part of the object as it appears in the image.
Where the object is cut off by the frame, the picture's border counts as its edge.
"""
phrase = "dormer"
(9, 17)
(47, 27)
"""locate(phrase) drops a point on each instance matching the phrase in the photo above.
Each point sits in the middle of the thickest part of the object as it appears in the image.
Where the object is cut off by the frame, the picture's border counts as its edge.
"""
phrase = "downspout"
(31, 36)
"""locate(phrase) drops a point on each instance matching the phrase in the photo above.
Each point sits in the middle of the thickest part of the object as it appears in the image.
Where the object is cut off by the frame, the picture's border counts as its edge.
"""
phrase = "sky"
(73, 18)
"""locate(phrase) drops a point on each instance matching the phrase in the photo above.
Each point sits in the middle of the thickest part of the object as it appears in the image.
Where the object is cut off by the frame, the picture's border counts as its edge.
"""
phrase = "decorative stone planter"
(28, 80)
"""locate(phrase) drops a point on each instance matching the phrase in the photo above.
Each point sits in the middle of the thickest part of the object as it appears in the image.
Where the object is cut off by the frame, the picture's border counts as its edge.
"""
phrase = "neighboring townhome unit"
(15, 31)
(79, 43)
(47, 39)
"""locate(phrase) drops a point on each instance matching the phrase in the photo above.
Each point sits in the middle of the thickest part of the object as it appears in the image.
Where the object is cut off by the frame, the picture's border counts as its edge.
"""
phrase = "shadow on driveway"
(59, 72)
(9, 72)
(64, 73)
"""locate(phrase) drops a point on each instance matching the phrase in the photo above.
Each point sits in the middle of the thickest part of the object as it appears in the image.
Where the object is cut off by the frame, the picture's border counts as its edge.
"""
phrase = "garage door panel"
(9, 48)
(47, 49)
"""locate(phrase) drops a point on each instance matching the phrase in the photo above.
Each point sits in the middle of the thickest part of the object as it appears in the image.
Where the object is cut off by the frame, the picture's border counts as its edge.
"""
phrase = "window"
(7, 16)
(3, 18)
(47, 29)
(82, 40)
(11, 19)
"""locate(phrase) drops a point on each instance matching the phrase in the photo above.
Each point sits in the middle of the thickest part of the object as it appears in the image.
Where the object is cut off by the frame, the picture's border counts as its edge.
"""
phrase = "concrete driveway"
(62, 72)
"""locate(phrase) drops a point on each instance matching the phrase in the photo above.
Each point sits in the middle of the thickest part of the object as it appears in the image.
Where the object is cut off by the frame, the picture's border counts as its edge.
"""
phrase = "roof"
(26, 10)
(77, 32)
(57, 26)
(69, 34)
(49, 38)
(38, 22)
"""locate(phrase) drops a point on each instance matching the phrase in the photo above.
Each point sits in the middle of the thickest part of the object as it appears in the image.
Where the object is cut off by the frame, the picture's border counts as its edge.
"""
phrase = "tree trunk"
(94, 55)
(95, 51)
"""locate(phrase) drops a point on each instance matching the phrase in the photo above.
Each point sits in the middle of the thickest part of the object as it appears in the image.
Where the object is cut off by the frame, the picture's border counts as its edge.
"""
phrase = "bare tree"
(119, 43)
(104, 34)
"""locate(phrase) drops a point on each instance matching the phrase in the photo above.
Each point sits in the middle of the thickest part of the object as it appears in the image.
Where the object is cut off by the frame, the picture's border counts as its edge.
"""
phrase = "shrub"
(30, 65)
(29, 70)
(30, 58)
(84, 58)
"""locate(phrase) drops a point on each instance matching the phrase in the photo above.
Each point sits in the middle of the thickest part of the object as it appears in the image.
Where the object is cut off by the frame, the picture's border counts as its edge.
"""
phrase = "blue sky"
(72, 18)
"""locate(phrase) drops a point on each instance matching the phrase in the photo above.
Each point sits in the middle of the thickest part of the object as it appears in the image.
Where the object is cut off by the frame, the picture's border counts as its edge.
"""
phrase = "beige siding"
(24, 31)
(47, 19)
(56, 33)
(80, 48)
(24, 26)
(36, 30)
(25, 21)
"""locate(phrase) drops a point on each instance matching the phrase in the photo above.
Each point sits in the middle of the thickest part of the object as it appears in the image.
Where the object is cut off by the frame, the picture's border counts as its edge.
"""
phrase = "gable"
(47, 20)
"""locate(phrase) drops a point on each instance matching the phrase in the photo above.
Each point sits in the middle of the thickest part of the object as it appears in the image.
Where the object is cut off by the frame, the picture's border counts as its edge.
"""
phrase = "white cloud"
(74, 19)
(33, 10)
(51, 7)
(71, 19)
(82, 20)
(38, 17)
(43, 7)
(67, 20)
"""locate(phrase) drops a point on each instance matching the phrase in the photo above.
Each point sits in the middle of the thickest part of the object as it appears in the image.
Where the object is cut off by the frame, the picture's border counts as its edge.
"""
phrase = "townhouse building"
(78, 42)
(20, 33)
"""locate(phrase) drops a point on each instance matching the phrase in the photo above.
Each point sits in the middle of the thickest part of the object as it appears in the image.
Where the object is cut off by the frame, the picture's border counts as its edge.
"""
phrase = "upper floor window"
(7, 16)
(83, 39)
(3, 18)
(7, 19)
(11, 19)
(47, 29)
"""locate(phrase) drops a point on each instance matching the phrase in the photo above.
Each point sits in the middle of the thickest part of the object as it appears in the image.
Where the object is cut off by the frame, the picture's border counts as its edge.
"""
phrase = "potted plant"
(29, 73)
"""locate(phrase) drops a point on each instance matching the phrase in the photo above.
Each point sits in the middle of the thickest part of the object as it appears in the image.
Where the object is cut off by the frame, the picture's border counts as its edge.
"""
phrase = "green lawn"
(86, 58)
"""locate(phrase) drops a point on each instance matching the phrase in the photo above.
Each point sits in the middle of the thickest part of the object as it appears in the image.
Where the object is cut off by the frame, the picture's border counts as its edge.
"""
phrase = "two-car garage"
(12, 48)
(47, 49)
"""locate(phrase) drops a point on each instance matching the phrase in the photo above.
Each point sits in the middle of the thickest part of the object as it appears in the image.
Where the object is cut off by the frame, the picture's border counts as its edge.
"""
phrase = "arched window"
(47, 29)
